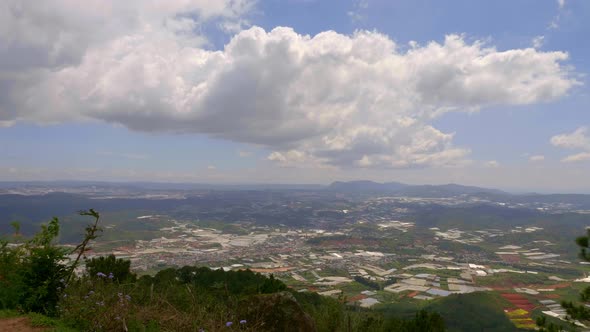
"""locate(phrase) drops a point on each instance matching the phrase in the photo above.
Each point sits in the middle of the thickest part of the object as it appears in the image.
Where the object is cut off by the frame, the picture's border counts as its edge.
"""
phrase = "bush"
(120, 269)
(10, 276)
(32, 274)
(96, 304)
(43, 280)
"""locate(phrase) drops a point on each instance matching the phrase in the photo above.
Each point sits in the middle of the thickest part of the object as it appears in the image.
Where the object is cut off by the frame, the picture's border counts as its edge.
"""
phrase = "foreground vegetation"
(38, 279)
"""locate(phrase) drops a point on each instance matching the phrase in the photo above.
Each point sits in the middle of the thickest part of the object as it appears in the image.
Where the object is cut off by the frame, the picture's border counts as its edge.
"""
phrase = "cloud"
(582, 156)
(577, 140)
(492, 164)
(244, 154)
(331, 99)
(134, 156)
(56, 33)
(554, 24)
(537, 158)
(358, 14)
(561, 3)
(538, 41)
(211, 167)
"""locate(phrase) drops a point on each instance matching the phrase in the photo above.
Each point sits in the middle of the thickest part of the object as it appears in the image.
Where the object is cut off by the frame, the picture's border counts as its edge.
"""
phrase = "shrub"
(96, 304)
(32, 274)
(119, 268)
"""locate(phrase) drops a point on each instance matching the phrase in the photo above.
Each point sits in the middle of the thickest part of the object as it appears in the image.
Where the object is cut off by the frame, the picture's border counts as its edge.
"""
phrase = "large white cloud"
(577, 140)
(59, 32)
(330, 99)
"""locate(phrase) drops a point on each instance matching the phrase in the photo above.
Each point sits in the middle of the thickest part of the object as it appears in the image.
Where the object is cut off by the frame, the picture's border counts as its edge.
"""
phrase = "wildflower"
(201, 330)
(101, 303)
(243, 321)
(118, 318)
(85, 297)
(111, 276)
(228, 324)
(100, 274)
(91, 292)
(128, 297)
(62, 280)
(65, 295)
(119, 294)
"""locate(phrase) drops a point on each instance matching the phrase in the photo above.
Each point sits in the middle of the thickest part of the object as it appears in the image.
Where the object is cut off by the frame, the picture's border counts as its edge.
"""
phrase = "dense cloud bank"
(331, 99)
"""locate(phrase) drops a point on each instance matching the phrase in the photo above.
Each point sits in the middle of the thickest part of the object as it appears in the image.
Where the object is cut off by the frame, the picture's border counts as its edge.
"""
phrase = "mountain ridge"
(426, 190)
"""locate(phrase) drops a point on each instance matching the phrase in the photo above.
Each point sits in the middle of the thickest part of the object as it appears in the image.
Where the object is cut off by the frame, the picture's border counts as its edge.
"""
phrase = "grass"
(9, 314)
(479, 311)
(38, 320)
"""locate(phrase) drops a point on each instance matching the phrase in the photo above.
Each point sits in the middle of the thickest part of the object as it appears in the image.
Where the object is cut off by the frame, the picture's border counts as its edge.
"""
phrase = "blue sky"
(127, 103)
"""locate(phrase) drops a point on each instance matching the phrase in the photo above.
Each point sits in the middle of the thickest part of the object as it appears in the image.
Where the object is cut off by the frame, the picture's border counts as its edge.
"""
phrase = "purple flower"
(91, 292)
(111, 276)
(243, 321)
(100, 274)
(228, 324)
(128, 297)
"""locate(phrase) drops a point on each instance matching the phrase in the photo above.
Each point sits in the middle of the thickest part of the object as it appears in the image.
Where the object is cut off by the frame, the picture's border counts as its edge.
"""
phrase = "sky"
(488, 93)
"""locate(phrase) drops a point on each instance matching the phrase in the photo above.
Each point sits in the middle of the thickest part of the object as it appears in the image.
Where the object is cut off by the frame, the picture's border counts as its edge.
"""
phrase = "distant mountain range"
(360, 186)
(403, 189)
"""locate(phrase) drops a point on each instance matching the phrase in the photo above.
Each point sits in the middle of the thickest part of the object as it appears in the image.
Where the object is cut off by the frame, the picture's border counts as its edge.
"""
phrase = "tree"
(92, 231)
(33, 275)
(16, 226)
(120, 269)
(41, 270)
(546, 327)
(580, 311)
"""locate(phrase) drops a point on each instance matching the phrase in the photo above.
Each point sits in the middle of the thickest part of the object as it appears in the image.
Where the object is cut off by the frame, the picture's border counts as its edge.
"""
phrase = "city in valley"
(367, 248)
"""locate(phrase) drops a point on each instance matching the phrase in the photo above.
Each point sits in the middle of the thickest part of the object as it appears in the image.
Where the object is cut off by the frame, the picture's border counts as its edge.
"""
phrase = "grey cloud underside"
(329, 99)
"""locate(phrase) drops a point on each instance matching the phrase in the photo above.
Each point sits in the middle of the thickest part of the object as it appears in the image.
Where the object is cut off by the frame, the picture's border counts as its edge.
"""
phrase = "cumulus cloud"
(330, 99)
(577, 140)
(537, 158)
(56, 33)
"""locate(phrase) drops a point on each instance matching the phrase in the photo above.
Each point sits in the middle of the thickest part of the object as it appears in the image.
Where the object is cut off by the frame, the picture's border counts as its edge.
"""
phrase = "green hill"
(481, 311)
